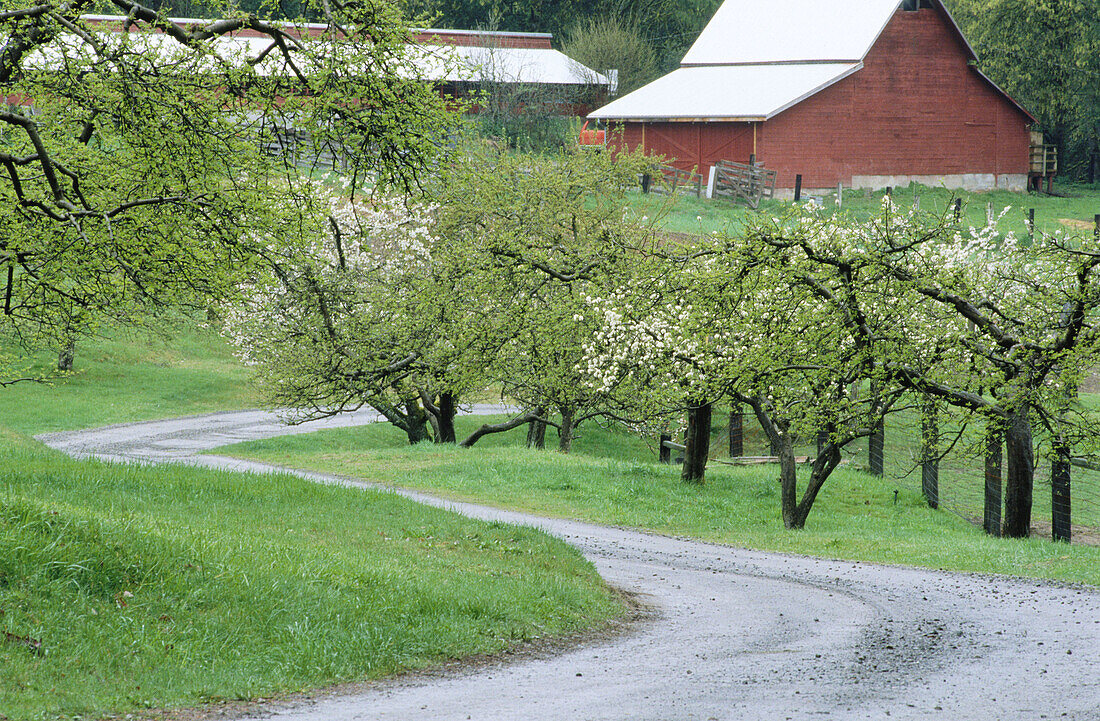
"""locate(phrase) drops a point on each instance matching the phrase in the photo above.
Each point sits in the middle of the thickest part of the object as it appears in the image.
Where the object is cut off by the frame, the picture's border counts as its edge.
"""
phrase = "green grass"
(617, 482)
(688, 214)
(129, 375)
(167, 587)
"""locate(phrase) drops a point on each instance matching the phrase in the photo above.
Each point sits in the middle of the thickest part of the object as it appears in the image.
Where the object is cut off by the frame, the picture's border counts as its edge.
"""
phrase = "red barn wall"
(916, 111)
(689, 146)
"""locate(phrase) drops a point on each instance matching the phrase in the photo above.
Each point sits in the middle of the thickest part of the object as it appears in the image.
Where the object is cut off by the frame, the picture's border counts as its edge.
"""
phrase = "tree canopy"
(136, 162)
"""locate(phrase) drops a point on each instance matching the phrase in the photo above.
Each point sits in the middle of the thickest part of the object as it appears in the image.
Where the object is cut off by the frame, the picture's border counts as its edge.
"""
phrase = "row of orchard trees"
(529, 275)
(413, 305)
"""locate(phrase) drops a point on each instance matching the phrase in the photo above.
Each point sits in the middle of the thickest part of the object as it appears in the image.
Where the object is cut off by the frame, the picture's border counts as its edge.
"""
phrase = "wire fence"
(961, 476)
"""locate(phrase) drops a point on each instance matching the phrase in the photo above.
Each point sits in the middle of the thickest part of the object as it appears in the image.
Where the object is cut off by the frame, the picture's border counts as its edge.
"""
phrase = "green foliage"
(133, 181)
(1046, 54)
(393, 303)
(153, 588)
(611, 43)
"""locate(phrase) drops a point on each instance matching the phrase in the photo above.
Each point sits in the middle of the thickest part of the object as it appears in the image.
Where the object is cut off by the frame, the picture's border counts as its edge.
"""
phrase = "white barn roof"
(461, 63)
(434, 62)
(756, 58)
(726, 92)
(791, 31)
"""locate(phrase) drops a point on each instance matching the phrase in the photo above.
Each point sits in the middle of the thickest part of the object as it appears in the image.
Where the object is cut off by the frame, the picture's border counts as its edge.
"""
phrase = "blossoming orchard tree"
(132, 161)
(544, 233)
(410, 307)
(725, 320)
(974, 319)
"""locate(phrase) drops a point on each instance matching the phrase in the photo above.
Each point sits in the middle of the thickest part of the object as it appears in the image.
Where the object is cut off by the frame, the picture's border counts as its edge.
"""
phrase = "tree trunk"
(1020, 476)
(488, 428)
(415, 422)
(697, 443)
(446, 433)
(66, 355)
(565, 433)
(536, 431)
(795, 514)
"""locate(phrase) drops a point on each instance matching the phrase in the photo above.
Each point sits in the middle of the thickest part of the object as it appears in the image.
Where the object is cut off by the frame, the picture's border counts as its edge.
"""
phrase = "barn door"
(724, 141)
(678, 142)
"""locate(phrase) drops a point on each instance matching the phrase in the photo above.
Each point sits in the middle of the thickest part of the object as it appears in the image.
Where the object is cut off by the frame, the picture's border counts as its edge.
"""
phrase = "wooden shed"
(867, 93)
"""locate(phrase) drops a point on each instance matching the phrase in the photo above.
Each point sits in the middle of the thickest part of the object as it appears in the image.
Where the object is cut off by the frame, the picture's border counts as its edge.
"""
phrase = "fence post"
(930, 464)
(839, 195)
(737, 431)
(1031, 223)
(797, 188)
(1096, 226)
(697, 443)
(646, 180)
(664, 453)
(712, 181)
(992, 515)
(958, 209)
(1061, 521)
(989, 213)
(916, 203)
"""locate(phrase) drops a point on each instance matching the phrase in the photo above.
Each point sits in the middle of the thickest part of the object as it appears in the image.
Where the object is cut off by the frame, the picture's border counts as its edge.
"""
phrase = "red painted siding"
(915, 108)
(688, 146)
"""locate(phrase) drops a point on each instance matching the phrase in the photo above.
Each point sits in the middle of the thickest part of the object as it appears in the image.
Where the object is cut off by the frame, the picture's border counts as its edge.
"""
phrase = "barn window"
(914, 5)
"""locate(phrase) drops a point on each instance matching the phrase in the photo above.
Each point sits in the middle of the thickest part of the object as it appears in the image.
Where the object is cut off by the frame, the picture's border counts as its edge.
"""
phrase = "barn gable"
(863, 92)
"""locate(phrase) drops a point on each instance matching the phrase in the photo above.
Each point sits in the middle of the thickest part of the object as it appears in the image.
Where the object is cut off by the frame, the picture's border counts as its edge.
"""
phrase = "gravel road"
(738, 635)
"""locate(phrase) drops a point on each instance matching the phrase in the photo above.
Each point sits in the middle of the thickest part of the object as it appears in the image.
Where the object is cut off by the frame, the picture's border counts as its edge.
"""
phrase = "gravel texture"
(735, 634)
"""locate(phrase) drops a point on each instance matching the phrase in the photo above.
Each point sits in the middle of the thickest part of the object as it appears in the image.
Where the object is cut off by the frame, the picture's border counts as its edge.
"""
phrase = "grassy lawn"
(129, 375)
(1072, 213)
(612, 478)
(166, 587)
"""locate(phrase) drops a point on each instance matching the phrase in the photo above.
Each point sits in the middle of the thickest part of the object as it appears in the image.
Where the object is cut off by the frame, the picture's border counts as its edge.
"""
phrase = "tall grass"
(127, 587)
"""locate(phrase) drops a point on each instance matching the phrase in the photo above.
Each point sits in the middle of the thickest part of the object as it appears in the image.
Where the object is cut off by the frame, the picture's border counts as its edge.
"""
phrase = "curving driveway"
(737, 634)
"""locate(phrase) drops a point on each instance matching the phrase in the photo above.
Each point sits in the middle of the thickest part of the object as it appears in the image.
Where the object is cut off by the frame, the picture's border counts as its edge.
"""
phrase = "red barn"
(867, 93)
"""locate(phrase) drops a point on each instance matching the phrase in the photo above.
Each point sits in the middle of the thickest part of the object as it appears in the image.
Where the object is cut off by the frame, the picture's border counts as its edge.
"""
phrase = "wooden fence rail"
(747, 183)
(669, 180)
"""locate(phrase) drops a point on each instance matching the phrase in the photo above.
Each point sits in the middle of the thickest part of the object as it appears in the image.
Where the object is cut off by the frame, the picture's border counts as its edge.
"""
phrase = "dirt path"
(738, 635)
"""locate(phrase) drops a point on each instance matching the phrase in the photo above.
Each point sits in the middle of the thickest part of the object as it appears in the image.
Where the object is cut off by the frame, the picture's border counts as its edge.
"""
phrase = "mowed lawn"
(126, 375)
(125, 588)
(1073, 210)
(612, 478)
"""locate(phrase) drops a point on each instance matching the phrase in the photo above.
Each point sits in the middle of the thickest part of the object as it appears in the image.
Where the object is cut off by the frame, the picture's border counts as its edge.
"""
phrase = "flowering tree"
(408, 307)
(132, 158)
(727, 319)
(543, 234)
(974, 319)
(340, 319)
